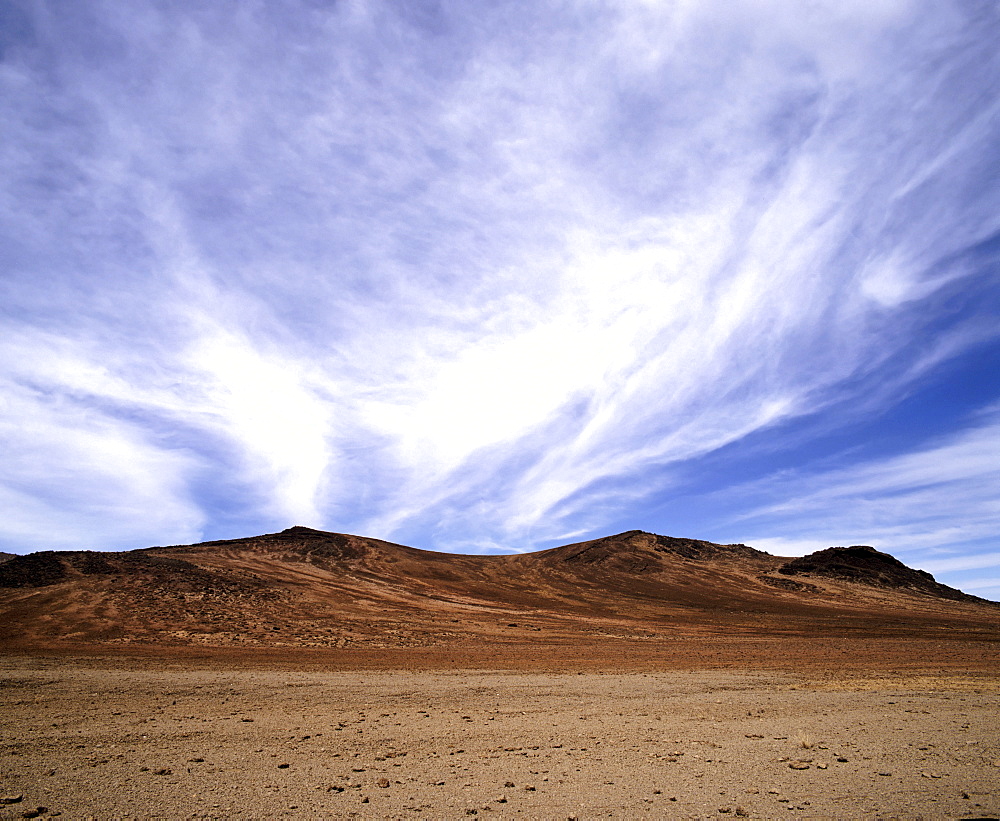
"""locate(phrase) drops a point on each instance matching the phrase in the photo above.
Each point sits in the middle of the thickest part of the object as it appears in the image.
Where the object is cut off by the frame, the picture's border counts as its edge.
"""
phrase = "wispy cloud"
(936, 508)
(475, 276)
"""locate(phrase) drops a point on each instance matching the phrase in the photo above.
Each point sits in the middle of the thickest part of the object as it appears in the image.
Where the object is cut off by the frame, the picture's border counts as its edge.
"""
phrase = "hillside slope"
(309, 588)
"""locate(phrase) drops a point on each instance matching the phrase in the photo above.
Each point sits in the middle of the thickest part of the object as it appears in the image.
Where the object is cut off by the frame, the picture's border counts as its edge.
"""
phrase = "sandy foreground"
(115, 738)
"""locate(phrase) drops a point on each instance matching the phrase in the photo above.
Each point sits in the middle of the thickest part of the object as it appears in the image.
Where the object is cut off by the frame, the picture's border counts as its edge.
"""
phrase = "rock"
(822, 766)
(798, 765)
(508, 783)
(11, 799)
(163, 771)
(283, 766)
(529, 787)
(383, 782)
(502, 799)
(742, 812)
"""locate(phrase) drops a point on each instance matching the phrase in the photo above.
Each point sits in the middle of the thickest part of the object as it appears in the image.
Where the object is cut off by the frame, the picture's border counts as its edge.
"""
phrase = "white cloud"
(976, 562)
(919, 506)
(268, 409)
(74, 477)
(460, 273)
(984, 584)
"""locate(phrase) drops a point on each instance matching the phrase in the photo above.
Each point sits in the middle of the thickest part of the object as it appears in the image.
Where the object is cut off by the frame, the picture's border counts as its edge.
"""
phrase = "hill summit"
(309, 588)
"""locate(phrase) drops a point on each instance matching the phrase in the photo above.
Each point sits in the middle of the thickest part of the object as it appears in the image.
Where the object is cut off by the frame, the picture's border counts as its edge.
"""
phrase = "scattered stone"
(163, 771)
(841, 759)
(383, 782)
(335, 788)
(502, 799)
(283, 766)
(822, 766)
(196, 760)
(529, 787)
(798, 765)
(11, 799)
(508, 783)
(885, 773)
(364, 799)
(34, 813)
(742, 812)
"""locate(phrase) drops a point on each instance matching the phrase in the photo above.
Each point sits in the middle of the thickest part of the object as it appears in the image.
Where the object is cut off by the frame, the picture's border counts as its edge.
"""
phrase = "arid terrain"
(323, 675)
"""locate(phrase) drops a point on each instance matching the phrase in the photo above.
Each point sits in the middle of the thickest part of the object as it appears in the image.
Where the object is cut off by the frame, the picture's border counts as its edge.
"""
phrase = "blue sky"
(498, 276)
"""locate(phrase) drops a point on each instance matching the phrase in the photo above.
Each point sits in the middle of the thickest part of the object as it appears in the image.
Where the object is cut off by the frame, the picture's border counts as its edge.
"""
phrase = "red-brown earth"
(636, 594)
(311, 674)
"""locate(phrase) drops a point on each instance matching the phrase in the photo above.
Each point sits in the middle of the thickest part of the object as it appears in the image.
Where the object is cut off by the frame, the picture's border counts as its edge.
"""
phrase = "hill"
(307, 588)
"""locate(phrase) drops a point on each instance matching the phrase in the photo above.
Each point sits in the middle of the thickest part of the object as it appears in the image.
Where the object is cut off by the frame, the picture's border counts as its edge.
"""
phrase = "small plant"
(805, 740)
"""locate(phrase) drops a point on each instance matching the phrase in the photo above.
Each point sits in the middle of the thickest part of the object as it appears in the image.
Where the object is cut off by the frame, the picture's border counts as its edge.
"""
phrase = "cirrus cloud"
(476, 276)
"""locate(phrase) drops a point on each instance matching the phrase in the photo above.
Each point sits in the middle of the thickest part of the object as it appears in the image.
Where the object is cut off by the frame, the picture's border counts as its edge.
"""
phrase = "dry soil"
(120, 737)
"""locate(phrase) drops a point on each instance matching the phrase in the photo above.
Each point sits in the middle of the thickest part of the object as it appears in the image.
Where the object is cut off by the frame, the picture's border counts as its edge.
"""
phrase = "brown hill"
(308, 588)
(866, 565)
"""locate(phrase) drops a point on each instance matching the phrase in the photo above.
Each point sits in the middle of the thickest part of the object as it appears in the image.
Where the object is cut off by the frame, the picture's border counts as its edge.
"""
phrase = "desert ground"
(206, 736)
(316, 675)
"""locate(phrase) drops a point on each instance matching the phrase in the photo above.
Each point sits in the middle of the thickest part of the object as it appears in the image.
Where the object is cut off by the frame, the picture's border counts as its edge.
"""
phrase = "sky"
(497, 276)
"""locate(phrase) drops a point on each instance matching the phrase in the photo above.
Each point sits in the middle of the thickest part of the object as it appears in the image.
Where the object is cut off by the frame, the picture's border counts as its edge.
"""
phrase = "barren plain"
(317, 675)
